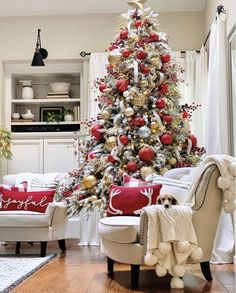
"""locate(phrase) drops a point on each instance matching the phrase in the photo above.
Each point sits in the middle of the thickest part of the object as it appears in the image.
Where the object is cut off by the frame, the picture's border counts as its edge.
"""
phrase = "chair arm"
(58, 219)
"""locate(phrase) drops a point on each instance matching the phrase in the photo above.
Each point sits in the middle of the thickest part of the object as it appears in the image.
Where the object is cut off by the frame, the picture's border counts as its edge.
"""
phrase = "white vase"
(27, 90)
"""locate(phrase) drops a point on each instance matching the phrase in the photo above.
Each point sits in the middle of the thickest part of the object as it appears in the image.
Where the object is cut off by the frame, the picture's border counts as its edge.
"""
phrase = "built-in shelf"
(45, 101)
(44, 123)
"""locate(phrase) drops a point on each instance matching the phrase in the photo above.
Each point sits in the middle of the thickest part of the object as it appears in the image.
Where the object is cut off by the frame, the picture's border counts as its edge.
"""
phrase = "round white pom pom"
(223, 183)
(229, 206)
(164, 247)
(197, 254)
(176, 283)
(160, 271)
(150, 259)
(232, 169)
(183, 246)
(229, 195)
(179, 270)
(232, 186)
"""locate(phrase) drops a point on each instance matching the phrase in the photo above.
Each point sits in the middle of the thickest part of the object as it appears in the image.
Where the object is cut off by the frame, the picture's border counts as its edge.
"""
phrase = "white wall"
(210, 12)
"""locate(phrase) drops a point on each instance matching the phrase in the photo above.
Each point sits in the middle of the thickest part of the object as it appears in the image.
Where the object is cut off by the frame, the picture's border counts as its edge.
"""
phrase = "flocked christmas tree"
(141, 128)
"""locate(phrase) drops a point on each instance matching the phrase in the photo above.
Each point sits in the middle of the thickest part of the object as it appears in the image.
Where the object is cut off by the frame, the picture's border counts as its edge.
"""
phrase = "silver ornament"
(144, 132)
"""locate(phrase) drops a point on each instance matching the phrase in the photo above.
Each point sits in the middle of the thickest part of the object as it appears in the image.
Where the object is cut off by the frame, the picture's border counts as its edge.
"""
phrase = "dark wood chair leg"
(206, 271)
(110, 266)
(62, 244)
(18, 245)
(43, 247)
(134, 276)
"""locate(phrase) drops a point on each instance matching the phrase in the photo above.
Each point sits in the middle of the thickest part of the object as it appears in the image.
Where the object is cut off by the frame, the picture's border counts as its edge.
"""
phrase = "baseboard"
(235, 259)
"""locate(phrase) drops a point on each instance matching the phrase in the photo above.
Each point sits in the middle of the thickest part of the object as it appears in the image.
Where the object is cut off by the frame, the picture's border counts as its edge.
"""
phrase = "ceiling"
(73, 7)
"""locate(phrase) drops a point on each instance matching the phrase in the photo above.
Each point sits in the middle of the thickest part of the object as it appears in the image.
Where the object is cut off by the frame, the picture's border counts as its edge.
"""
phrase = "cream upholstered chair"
(124, 239)
(28, 226)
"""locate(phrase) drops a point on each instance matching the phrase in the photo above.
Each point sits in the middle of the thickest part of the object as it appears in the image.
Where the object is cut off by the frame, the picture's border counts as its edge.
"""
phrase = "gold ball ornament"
(89, 181)
(172, 161)
(144, 84)
(110, 143)
(154, 125)
(163, 171)
(105, 114)
(154, 131)
(129, 112)
(155, 61)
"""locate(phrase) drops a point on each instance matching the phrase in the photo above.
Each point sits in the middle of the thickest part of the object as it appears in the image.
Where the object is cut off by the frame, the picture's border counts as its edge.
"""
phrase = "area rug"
(15, 269)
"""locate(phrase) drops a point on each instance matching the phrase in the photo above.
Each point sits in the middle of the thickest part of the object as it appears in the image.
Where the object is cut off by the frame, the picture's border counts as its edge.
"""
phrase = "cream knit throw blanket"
(171, 240)
(226, 181)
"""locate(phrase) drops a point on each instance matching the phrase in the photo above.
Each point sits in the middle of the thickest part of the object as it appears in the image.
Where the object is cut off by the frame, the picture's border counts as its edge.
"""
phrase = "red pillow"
(36, 201)
(129, 201)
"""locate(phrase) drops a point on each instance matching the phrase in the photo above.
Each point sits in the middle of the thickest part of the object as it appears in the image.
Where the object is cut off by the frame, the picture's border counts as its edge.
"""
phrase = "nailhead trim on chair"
(53, 213)
(142, 231)
(205, 193)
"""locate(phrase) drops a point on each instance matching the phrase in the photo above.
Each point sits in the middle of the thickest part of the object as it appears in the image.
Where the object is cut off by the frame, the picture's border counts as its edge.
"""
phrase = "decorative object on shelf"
(51, 114)
(40, 53)
(27, 90)
(15, 116)
(60, 87)
(28, 115)
(68, 115)
(5, 143)
(58, 95)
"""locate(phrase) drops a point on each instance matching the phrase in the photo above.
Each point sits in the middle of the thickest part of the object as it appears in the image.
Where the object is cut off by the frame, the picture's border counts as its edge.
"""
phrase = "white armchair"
(124, 239)
(28, 226)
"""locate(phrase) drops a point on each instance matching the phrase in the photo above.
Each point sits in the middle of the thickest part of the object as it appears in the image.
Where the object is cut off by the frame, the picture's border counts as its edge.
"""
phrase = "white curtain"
(97, 69)
(217, 126)
(193, 89)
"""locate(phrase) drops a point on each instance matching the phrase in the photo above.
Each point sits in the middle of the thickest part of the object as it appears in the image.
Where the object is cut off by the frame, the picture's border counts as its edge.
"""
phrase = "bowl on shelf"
(28, 115)
(57, 87)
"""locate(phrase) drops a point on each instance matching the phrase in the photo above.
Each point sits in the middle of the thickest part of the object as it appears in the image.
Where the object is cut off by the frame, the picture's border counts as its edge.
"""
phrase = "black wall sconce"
(40, 53)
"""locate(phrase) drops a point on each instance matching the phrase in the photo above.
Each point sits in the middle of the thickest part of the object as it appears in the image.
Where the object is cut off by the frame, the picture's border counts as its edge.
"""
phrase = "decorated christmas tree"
(141, 128)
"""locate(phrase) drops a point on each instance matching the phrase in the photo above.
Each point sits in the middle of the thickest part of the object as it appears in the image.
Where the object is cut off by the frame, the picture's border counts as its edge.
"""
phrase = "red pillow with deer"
(129, 201)
(36, 201)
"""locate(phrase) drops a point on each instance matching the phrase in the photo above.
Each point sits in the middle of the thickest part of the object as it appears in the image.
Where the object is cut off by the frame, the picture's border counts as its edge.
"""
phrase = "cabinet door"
(59, 155)
(27, 156)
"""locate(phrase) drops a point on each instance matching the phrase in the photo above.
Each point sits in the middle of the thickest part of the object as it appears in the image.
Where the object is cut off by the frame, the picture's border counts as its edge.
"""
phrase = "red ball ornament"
(95, 131)
(141, 54)
(160, 104)
(154, 37)
(132, 166)
(146, 154)
(111, 159)
(125, 53)
(141, 121)
(138, 23)
(164, 88)
(109, 67)
(144, 69)
(122, 85)
(102, 87)
(165, 58)
(124, 139)
(166, 139)
(193, 139)
(185, 114)
(124, 34)
(167, 118)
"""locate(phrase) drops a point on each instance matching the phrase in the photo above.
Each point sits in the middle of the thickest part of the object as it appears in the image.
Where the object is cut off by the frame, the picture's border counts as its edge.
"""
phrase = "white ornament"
(129, 112)
(144, 132)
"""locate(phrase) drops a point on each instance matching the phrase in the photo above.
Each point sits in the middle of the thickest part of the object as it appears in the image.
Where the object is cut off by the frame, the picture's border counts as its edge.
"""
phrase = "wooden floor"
(83, 269)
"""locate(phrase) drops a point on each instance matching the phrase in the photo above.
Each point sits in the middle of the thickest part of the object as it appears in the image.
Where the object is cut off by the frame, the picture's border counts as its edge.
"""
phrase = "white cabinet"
(42, 156)
(59, 155)
(28, 156)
